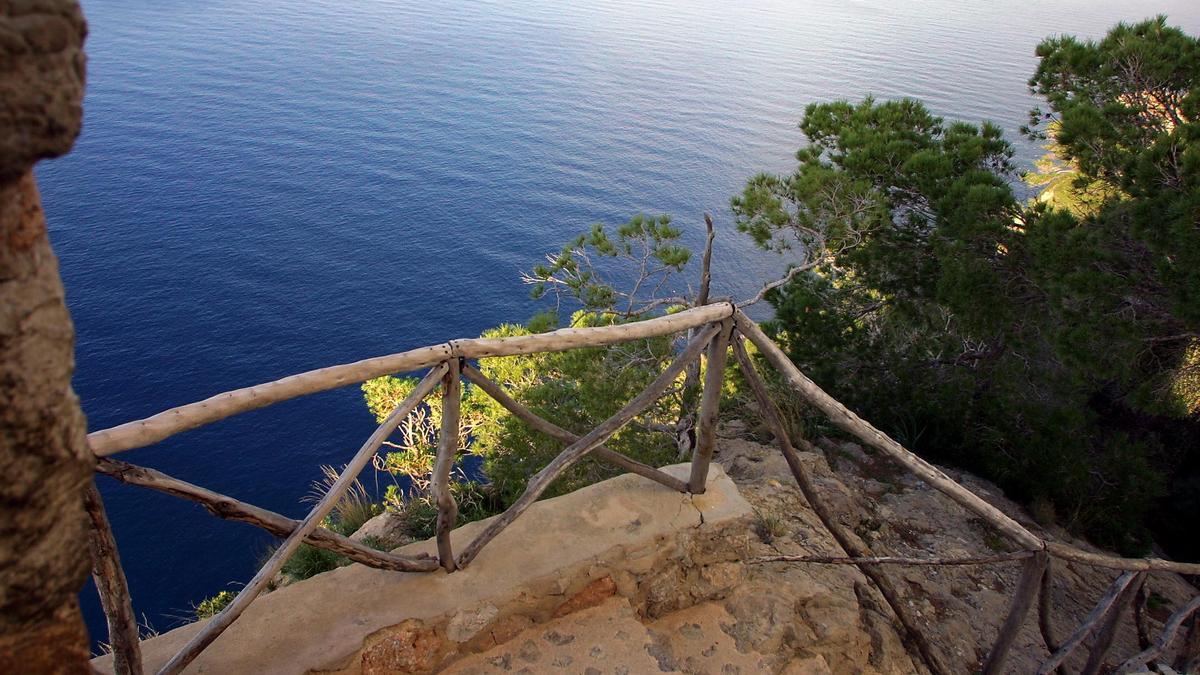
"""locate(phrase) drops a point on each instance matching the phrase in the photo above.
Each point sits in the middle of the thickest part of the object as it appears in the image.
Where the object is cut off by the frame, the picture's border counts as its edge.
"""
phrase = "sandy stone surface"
(831, 611)
(700, 640)
(636, 532)
(605, 639)
(43, 452)
(626, 577)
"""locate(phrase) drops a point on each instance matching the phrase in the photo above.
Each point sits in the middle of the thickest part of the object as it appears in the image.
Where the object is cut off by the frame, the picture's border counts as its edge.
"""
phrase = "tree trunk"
(43, 452)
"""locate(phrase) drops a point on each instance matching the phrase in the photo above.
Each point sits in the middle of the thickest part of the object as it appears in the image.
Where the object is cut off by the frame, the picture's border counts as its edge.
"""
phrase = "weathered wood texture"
(685, 427)
(852, 423)
(1188, 660)
(706, 262)
(556, 432)
(1138, 661)
(576, 451)
(144, 432)
(710, 402)
(165, 424)
(447, 454)
(1045, 605)
(864, 431)
(228, 508)
(596, 336)
(1022, 600)
(312, 521)
(1139, 618)
(893, 560)
(1108, 630)
(1073, 554)
(1094, 617)
(848, 543)
(112, 588)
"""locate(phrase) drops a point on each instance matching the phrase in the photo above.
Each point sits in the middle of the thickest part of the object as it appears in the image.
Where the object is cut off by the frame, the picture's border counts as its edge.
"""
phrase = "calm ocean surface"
(267, 187)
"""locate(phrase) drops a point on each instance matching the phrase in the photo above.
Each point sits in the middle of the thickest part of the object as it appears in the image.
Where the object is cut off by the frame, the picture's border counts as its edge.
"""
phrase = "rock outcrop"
(628, 577)
(629, 538)
(830, 611)
(386, 530)
(43, 453)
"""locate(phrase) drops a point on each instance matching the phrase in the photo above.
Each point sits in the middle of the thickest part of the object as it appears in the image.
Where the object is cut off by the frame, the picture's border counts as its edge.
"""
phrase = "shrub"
(309, 561)
(351, 511)
(210, 607)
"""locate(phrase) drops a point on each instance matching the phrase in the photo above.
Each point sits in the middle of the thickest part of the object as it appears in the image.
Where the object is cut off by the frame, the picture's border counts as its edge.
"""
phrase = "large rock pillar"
(44, 461)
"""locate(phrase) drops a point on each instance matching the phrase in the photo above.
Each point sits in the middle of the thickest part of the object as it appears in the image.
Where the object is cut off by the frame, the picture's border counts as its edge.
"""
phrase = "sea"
(265, 187)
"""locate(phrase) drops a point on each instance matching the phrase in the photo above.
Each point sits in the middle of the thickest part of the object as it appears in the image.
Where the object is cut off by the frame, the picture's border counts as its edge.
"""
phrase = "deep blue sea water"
(267, 187)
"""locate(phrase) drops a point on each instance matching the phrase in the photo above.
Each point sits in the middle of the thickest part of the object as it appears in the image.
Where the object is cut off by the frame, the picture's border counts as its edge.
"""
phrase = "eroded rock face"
(42, 448)
(593, 594)
(833, 613)
(407, 648)
(386, 529)
(41, 81)
(43, 452)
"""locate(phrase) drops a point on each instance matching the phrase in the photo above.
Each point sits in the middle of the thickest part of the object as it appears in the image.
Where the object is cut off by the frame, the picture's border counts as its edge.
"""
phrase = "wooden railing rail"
(447, 363)
(312, 521)
(865, 432)
(556, 432)
(1034, 582)
(714, 327)
(577, 450)
(170, 422)
(228, 508)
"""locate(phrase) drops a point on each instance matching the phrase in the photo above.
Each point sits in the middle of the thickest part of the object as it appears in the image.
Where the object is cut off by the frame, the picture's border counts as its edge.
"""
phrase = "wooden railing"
(714, 327)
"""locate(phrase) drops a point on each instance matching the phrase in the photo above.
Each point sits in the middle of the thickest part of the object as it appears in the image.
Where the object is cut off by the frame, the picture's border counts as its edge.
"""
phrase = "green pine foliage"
(576, 389)
(1050, 346)
(610, 276)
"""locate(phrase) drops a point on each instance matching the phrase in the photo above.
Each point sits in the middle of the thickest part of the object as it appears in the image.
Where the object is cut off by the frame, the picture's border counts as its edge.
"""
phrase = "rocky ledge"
(628, 577)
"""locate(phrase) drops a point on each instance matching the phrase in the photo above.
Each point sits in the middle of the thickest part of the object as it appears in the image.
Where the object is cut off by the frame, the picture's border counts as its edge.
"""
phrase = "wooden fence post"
(447, 453)
(710, 402)
(112, 587)
(217, 625)
(774, 421)
(1026, 591)
(586, 443)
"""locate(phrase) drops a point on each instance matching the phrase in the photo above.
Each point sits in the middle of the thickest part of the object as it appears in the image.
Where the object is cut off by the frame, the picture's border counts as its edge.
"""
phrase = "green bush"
(418, 512)
(210, 607)
(576, 389)
(1049, 346)
(309, 561)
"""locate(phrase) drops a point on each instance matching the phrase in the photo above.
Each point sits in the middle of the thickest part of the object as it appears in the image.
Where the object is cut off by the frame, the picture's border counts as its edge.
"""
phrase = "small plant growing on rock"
(991, 538)
(352, 510)
(145, 632)
(210, 607)
(768, 526)
(309, 561)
